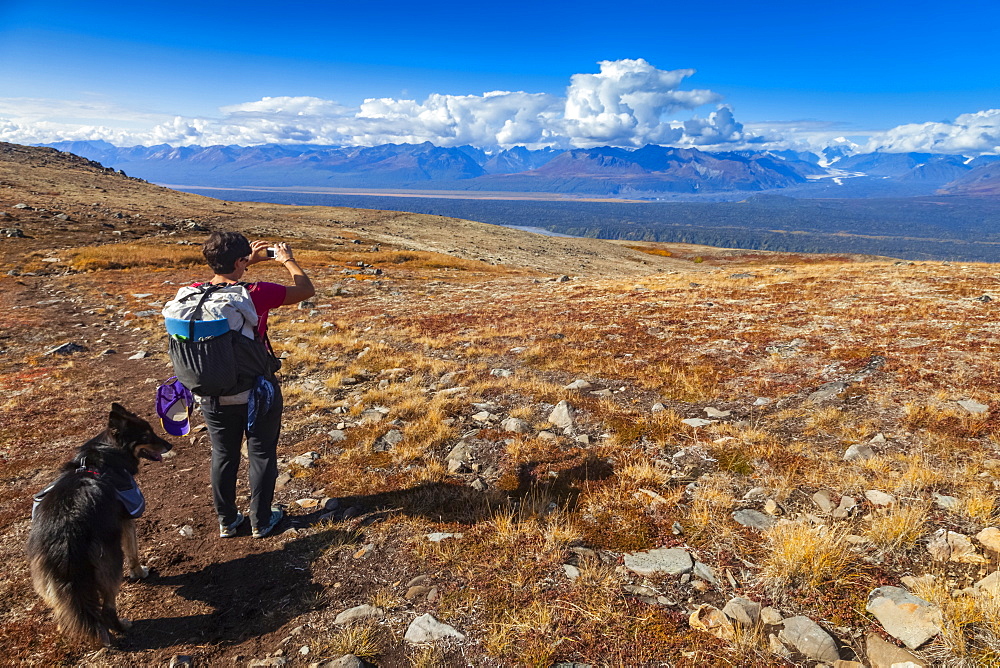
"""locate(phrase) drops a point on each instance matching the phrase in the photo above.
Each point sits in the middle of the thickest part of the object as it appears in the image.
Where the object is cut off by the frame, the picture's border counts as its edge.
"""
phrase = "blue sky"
(786, 70)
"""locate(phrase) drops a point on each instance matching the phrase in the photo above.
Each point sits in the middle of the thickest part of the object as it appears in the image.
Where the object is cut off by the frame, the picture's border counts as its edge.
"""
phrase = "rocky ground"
(500, 449)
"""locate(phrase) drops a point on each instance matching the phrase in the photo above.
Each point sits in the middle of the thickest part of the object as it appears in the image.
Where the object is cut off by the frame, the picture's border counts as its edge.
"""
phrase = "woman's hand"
(258, 251)
(282, 252)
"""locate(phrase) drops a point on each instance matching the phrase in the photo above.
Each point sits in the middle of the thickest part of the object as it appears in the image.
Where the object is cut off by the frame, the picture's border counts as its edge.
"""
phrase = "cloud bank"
(627, 103)
(969, 134)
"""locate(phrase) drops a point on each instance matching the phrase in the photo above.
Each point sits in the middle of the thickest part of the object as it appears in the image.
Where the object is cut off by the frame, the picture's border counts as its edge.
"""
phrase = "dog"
(83, 524)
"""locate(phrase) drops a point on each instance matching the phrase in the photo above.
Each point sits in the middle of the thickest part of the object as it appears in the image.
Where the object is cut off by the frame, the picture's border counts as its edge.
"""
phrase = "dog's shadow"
(241, 599)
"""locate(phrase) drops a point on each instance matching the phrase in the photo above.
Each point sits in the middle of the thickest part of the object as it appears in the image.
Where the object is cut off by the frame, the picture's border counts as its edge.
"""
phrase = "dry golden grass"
(898, 526)
(364, 640)
(808, 556)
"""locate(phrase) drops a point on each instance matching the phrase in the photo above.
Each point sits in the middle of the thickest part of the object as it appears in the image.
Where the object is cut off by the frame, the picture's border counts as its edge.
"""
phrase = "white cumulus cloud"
(627, 103)
(969, 134)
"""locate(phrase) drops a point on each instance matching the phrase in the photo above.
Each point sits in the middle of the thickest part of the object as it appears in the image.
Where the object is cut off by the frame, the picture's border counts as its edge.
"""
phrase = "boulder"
(358, 612)
(858, 452)
(673, 561)
(562, 415)
(880, 499)
(989, 538)
(809, 639)
(882, 654)
(947, 545)
(711, 620)
(516, 425)
(973, 407)
(427, 629)
(907, 618)
(743, 611)
(753, 519)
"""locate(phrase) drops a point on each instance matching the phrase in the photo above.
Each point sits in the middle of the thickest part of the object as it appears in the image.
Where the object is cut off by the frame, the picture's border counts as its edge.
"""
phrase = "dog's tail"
(75, 558)
(76, 605)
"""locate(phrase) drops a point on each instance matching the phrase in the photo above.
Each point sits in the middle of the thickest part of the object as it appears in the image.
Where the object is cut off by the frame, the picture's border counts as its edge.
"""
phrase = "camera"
(270, 251)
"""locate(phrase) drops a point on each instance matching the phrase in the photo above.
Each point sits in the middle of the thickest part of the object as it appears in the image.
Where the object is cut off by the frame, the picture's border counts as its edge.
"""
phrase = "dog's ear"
(118, 418)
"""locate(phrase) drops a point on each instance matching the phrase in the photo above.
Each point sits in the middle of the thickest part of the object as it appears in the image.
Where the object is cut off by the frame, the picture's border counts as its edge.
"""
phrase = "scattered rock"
(179, 660)
(882, 654)
(907, 618)
(753, 519)
(427, 629)
(142, 354)
(306, 460)
(946, 502)
(562, 415)
(187, 531)
(947, 545)
(268, 662)
(858, 452)
(809, 639)
(673, 561)
(770, 616)
(697, 422)
(66, 349)
(501, 373)
(716, 413)
(307, 503)
(845, 508)
(880, 499)
(827, 391)
(571, 571)
(579, 384)
(989, 538)
(824, 499)
(706, 573)
(973, 407)
(439, 536)
(990, 584)
(358, 612)
(337, 435)
(711, 620)
(743, 611)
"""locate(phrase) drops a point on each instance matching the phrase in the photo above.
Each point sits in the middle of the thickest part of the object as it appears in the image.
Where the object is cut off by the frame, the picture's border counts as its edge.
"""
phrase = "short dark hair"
(223, 249)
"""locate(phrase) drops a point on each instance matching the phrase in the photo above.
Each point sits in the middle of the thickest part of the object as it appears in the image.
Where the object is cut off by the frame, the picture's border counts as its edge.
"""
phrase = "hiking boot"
(276, 515)
(229, 530)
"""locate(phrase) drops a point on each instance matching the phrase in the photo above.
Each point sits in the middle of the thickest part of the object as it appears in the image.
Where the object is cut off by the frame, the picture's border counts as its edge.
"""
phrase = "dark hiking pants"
(226, 427)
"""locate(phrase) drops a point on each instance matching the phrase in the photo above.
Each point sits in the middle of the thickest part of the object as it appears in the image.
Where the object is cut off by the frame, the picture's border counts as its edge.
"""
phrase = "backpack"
(213, 343)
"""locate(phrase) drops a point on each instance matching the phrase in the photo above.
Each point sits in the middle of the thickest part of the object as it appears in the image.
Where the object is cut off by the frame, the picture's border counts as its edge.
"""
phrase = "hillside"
(580, 471)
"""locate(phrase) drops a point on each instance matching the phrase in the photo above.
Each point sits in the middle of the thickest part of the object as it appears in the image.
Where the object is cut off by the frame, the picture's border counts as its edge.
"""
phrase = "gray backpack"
(213, 344)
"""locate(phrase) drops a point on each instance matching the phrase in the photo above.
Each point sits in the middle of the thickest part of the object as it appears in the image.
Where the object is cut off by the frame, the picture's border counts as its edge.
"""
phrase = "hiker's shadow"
(257, 594)
(239, 599)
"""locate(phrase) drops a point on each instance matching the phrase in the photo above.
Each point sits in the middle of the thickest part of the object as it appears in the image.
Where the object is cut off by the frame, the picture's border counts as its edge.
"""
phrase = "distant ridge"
(650, 172)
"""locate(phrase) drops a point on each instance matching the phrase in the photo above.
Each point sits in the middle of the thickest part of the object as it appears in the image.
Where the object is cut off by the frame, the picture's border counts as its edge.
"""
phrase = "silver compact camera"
(270, 251)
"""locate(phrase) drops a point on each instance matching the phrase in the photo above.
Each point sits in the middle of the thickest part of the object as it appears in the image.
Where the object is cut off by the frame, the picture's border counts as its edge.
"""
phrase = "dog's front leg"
(130, 544)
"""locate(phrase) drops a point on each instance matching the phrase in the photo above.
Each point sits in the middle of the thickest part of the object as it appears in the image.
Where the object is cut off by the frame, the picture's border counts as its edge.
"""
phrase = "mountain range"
(650, 172)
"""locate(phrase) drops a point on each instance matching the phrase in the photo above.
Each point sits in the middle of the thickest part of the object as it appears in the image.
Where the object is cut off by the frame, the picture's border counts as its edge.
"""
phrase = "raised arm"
(301, 288)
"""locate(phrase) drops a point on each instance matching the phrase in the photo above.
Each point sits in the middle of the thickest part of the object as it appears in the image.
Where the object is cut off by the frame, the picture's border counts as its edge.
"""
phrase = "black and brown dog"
(81, 523)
